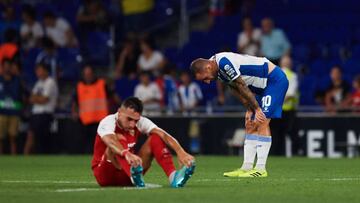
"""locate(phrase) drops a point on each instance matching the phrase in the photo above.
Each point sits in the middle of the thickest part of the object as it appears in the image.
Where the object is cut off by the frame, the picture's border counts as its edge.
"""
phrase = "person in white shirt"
(43, 98)
(148, 92)
(249, 38)
(59, 30)
(189, 93)
(150, 59)
(30, 31)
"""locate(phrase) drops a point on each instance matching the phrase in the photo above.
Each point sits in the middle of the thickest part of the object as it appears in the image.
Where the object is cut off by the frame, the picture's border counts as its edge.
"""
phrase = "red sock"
(122, 161)
(161, 154)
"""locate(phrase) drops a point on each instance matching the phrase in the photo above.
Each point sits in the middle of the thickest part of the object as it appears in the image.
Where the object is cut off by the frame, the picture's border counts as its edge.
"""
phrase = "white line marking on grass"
(48, 181)
(286, 179)
(148, 186)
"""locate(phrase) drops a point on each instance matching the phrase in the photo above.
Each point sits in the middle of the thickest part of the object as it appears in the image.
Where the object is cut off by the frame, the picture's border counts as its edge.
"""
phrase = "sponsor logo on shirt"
(131, 145)
(230, 71)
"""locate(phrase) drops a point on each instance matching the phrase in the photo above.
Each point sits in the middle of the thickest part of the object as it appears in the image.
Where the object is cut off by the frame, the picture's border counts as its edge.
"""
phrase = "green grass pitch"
(69, 179)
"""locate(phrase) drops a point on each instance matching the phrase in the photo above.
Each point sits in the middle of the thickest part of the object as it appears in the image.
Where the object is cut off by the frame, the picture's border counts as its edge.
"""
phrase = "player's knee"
(155, 139)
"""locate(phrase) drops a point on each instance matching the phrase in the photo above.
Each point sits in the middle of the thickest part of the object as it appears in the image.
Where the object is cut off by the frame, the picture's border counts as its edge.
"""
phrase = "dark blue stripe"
(260, 71)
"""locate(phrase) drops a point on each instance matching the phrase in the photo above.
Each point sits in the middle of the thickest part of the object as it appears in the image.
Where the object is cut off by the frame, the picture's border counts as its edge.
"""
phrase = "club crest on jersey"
(131, 145)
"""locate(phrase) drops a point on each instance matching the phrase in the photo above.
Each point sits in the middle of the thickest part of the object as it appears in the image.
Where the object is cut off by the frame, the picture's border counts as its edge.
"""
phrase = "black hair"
(10, 35)
(357, 79)
(47, 43)
(133, 103)
(6, 60)
(44, 66)
(29, 11)
(49, 14)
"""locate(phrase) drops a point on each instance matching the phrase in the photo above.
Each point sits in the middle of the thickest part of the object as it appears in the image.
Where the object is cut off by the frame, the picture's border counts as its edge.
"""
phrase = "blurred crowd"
(141, 70)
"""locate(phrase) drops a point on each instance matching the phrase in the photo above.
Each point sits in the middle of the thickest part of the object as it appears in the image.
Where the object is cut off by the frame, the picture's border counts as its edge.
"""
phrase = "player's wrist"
(124, 152)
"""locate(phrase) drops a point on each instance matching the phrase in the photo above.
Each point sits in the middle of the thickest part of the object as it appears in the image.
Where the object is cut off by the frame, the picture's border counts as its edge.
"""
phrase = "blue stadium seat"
(97, 49)
(29, 61)
(70, 63)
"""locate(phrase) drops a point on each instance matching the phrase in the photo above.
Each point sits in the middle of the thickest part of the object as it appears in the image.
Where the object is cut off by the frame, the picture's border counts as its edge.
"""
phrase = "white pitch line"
(282, 179)
(48, 181)
(193, 180)
(147, 186)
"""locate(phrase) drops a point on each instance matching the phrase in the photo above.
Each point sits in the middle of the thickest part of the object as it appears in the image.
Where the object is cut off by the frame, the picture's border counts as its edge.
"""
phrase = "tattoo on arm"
(244, 94)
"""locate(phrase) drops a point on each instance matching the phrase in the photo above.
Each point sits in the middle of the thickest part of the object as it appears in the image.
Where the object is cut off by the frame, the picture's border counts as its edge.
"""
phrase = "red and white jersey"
(109, 126)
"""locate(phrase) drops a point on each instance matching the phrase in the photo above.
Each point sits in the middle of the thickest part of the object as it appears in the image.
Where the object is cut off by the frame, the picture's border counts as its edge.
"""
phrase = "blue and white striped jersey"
(253, 70)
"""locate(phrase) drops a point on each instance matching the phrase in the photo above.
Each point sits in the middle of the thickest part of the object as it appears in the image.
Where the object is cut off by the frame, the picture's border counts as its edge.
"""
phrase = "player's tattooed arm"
(244, 94)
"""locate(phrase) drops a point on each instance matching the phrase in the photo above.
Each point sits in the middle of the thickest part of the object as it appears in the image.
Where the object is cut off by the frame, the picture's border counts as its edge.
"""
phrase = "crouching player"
(115, 162)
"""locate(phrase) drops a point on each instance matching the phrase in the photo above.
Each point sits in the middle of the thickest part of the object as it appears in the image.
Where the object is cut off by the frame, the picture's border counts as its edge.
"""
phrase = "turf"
(69, 179)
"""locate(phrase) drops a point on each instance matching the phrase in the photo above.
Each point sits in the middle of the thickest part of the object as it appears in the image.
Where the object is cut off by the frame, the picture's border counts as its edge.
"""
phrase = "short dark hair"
(44, 66)
(133, 103)
(196, 66)
(357, 79)
(49, 14)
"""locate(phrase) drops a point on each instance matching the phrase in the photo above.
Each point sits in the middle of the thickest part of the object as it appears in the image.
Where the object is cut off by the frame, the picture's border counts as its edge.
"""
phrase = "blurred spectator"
(249, 38)
(9, 49)
(168, 87)
(49, 56)
(8, 21)
(31, 31)
(150, 59)
(127, 60)
(92, 17)
(355, 97)
(90, 105)
(44, 99)
(337, 94)
(59, 30)
(136, 14)
(286, 125)
(148, 92)
(221, 8)
(11, 102)
(190, 93)
(274, 43)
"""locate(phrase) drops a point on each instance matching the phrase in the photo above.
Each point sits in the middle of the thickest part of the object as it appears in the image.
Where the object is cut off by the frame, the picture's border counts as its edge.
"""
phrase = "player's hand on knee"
(133, 159)
(185, 159)
(260, 116)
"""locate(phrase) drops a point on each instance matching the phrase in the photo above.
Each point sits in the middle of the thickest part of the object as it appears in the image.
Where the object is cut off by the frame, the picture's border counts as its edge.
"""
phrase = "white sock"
(172, 176)
(262, 149)
(249, 152)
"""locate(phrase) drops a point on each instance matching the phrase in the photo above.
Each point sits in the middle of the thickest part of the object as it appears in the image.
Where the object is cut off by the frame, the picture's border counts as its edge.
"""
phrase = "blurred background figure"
(190, 94)
(31, 31)
(286, 126)
(90, 106)
(274, 43)
(49, 57)
(58, 30)
(43, 99)
(136, 14)
(149, 93)
(150, 59)
(337, 95)
(249, 39)
(9, 49)
(127, 60)
(11, 104)
(9, 21)
(355, 96)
